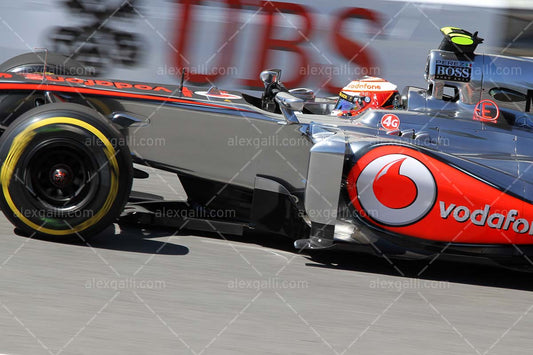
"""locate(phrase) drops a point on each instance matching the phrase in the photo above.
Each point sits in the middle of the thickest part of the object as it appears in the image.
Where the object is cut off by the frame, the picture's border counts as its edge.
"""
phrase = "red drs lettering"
(5, 75)
(55, 78)
(75, 80)
(142, 87)
(123, 86)
(186, 92)
(103, 83)
(160, 88)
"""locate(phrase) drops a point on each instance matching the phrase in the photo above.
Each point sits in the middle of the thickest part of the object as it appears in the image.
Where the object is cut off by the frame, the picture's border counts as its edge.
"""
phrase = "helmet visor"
(344, 105)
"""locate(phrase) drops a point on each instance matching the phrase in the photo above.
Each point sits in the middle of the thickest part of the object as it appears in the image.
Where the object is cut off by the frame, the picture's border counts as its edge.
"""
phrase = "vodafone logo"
(396, 190)
(364, 86)
(390, 122)
(370, 85)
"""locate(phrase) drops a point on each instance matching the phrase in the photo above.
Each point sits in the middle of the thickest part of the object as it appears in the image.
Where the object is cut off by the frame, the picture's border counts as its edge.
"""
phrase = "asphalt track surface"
(134, 291)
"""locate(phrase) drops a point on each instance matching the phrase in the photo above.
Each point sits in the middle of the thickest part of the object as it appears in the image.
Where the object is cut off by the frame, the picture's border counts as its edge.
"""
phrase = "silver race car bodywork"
(454, 174)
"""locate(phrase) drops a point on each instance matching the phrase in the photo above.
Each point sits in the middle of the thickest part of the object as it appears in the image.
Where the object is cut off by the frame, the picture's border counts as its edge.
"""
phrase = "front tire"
(66, 171)
(42, 62)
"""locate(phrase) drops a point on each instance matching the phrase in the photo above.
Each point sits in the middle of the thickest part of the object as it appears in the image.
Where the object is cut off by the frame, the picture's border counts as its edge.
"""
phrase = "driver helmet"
(369, 92)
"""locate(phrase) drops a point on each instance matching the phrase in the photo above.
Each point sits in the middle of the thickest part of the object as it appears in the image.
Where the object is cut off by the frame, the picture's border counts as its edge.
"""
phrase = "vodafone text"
(483, 217)
(364, 86)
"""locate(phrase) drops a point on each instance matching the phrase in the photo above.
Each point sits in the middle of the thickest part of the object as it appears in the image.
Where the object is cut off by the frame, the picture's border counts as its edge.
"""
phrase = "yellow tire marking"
(17, 148)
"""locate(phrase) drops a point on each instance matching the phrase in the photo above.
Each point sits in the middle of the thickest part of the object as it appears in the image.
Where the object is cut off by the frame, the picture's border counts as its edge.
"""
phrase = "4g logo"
(390, 122)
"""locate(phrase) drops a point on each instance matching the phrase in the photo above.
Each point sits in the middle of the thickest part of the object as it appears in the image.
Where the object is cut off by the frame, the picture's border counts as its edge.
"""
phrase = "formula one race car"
(446, 168)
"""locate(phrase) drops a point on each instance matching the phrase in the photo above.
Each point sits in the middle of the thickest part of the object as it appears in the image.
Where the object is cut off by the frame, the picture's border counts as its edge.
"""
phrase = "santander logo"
(396, 190)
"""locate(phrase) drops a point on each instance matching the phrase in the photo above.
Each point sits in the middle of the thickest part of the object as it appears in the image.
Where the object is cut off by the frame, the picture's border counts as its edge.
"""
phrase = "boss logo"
(396, 190)
(453, 73)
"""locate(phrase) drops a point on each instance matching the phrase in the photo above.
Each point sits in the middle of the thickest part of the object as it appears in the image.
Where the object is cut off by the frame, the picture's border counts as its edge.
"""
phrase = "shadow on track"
(474, 272)
(471, 271)
(129, 239)
(445, 268)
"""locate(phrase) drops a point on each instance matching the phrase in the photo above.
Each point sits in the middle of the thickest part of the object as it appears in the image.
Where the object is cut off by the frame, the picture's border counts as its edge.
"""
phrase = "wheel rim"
(62, 175)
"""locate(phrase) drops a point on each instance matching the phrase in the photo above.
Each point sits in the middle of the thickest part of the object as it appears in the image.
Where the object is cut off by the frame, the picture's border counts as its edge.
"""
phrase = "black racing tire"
(66, 171)
(34, 62)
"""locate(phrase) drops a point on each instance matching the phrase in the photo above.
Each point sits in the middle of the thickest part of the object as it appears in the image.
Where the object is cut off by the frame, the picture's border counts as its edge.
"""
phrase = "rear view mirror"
(288, 104)
(270, 76)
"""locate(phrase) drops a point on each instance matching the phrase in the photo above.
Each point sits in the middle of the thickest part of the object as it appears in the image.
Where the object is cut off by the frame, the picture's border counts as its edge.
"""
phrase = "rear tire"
(66, 171)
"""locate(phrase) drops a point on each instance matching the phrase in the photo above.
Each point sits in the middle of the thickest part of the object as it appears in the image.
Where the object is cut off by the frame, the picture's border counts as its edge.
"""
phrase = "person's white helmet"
(369, 92)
